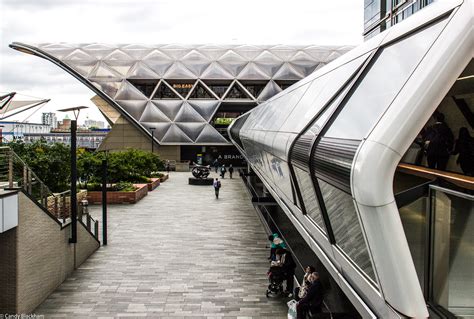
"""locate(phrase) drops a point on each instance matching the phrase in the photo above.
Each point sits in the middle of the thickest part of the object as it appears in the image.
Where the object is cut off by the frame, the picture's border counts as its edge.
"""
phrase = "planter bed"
(95, 197)
(155, 182)
(164, 177)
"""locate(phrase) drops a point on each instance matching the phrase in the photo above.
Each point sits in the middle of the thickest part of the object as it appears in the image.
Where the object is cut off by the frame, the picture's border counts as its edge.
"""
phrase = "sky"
(298, 22)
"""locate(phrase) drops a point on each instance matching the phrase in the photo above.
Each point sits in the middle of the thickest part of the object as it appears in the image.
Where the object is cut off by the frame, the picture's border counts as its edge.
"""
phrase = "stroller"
(276, 276)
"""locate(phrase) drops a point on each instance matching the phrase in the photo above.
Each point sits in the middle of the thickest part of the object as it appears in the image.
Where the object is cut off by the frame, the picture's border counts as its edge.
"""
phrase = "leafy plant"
(49, 161)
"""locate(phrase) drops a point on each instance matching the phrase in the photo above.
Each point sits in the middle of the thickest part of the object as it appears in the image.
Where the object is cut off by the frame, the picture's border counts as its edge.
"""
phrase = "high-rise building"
(50, 119)
(380, 15)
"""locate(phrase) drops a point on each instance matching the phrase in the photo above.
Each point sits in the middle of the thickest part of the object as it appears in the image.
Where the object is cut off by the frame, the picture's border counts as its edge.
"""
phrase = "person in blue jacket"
(276, 242)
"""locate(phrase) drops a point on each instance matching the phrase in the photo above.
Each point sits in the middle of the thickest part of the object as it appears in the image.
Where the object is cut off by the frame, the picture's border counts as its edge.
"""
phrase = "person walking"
(231, 170)
(168, 166)
(438, 143)
(217, 187)
(465, 148)
(216, 164)
(223, 171)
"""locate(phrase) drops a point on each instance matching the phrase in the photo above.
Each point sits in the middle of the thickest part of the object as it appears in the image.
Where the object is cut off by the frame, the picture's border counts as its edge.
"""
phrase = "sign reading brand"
(233, 156)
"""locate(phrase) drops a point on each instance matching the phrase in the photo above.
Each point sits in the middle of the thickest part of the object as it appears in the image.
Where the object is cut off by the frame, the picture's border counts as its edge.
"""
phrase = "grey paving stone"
(178, 253)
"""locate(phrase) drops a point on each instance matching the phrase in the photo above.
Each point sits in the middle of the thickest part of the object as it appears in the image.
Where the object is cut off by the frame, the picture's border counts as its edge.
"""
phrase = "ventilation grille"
(332, 161)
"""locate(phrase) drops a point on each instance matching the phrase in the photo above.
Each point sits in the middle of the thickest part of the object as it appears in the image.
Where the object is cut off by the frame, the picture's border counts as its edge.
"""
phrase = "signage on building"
(182, 85)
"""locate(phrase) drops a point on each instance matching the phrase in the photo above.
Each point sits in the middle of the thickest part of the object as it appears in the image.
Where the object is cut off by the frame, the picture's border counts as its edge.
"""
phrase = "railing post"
(56, 206)
(88, 222)
(41, 196)
(10, 169)
(30, 183)
(63, 210)
(25, 177)
(96, 229)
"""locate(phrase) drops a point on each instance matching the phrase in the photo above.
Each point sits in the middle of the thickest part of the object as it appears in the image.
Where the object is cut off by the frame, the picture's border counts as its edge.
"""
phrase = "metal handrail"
(20, 175)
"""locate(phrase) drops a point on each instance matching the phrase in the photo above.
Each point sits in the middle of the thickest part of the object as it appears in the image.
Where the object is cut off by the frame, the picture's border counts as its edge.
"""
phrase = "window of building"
(308, 194)
(181, 86)
(218, 87)
(200, 92)
(254, 87)
(164, 92)
(144, 86)
(284, 84)
(346, 227)
(382, 81)
(237, 93)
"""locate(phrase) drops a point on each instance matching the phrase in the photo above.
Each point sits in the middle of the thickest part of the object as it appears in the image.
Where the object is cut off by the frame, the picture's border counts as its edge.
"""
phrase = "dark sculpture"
(201, 172)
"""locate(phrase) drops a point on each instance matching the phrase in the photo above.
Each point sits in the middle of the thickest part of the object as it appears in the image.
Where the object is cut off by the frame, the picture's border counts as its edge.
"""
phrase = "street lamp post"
(152, 129)
(73, 205)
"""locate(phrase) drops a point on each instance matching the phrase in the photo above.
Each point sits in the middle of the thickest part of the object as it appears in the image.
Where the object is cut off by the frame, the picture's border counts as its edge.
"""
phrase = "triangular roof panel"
(102, 72)
(176, 135)
(153, 114)
(192, 130)
(287, 72)
(233, 62)
(136, 51)
(268, 61)
(133, 107)
(109, 88)
(179, 71)
(169, 107)
(79, 55)
(210, 135)
(84, 68)
(270, 90)
(161, 128)
(118, 55)
(128, 92)
(253, 72)
(205, 108)
(217, 72)
(188, 114)
(141, 71)
(158, 61)
(196, 62)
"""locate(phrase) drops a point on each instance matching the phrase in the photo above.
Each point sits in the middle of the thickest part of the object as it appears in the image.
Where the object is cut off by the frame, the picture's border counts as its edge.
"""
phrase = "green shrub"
(131, 165)
(49, 161)
(119, 187)
(125, 187)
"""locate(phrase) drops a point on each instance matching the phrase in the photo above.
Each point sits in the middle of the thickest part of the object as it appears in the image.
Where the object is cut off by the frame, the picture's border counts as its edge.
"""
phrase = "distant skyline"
(150, 22)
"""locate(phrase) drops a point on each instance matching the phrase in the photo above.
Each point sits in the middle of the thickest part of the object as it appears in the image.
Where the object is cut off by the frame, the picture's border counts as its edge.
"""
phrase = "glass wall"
(346, 227)
(381, 83)
(311, 204)
(453, 247)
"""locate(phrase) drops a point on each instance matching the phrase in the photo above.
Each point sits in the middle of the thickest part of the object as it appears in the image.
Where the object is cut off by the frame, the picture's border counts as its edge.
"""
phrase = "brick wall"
(119, 197)
(41, 260)
(8, 271)
(155, 182)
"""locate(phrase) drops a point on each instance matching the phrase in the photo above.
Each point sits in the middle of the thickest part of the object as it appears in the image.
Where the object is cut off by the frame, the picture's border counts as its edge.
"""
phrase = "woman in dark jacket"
(465, 148)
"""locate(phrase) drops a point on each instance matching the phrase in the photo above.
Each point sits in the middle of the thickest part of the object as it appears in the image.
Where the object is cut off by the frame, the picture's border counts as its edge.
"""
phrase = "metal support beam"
(73, 205)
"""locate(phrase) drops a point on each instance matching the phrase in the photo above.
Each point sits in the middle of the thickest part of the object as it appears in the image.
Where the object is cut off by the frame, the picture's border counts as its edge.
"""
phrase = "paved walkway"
(178, 253)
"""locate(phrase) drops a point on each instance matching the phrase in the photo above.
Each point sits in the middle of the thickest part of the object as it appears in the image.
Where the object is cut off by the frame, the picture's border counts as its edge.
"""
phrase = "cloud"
(157, 21)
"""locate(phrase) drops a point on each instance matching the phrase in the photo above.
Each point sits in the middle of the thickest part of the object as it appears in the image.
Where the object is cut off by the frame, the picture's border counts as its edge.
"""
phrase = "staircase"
(16, 174)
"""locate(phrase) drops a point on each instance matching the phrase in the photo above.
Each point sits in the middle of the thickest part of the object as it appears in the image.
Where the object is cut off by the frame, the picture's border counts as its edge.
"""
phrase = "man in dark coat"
(288, 265)
(313, 300)
(439, 142)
